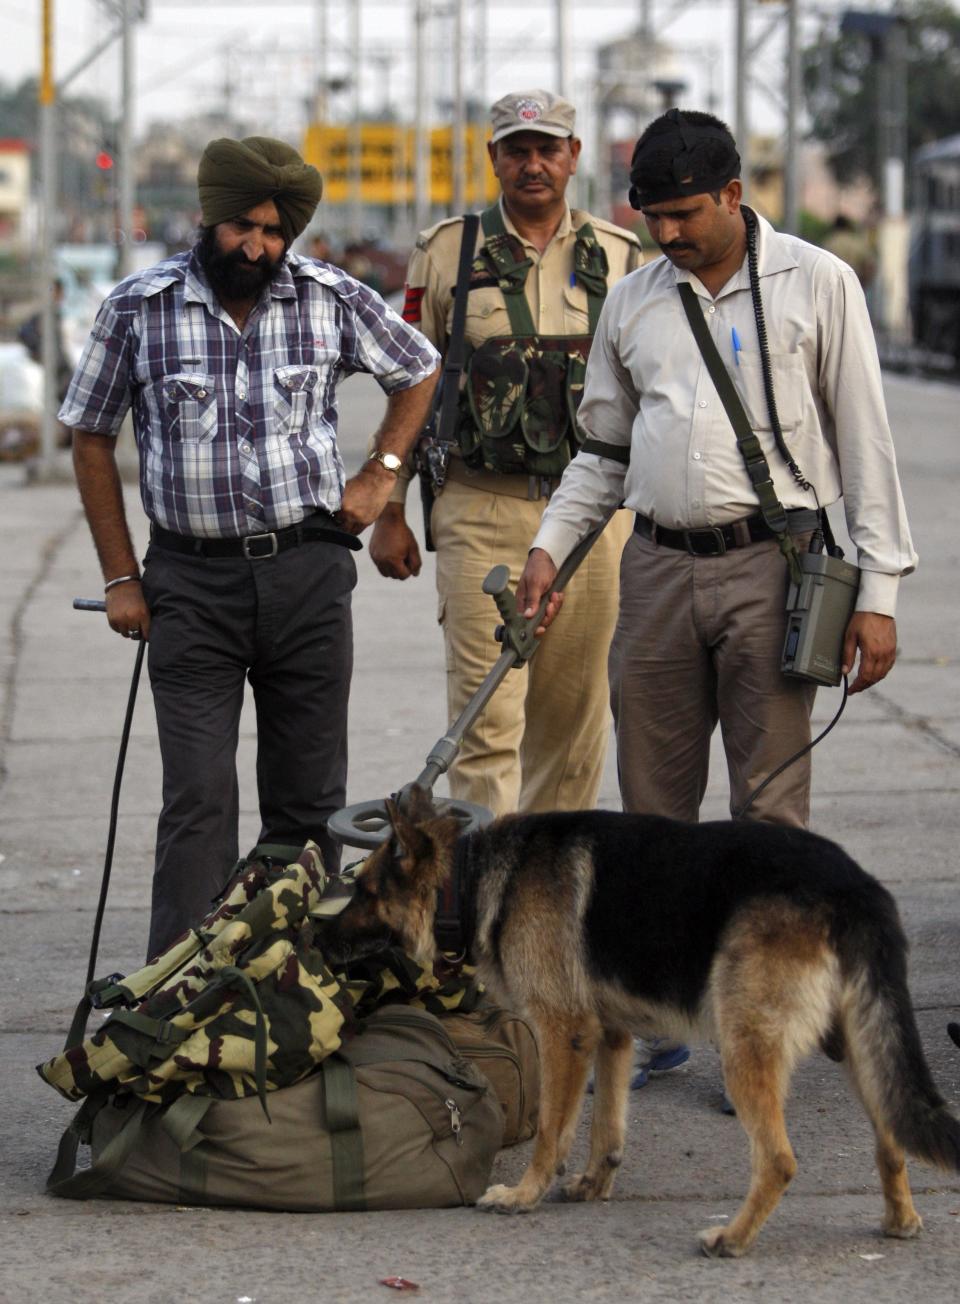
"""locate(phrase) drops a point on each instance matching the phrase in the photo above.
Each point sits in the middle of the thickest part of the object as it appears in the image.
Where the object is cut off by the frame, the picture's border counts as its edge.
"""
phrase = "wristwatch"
(388, 460)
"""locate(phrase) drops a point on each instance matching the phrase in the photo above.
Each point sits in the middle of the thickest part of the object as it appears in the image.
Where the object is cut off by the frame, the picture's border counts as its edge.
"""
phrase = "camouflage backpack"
(240, 1007)
(518, 407)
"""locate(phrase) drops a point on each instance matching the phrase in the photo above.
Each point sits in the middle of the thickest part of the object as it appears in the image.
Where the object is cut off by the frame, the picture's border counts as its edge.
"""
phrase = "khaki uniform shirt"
(648, 387)
(558, 303)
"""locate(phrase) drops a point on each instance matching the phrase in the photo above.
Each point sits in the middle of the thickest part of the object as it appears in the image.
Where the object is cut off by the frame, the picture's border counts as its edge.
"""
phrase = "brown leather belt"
(715, 540)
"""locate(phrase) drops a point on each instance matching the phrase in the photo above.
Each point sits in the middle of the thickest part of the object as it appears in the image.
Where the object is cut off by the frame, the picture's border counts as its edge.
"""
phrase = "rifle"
(432, 453)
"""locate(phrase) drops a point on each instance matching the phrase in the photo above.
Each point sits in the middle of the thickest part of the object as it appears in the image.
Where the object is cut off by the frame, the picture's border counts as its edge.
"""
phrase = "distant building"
(14, 191)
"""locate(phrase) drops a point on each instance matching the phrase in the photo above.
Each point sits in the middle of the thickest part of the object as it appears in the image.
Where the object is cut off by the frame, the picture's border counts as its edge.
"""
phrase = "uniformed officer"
(539, 276)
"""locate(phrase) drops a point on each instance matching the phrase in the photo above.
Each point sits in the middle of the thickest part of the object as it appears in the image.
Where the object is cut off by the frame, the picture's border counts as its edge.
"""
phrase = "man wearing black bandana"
(703, 582)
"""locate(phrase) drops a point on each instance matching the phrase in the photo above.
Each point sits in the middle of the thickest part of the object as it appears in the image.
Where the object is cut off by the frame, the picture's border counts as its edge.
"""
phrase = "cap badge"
(529, 110)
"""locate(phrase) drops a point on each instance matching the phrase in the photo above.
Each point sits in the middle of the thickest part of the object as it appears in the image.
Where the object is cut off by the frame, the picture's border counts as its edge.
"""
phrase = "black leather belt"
(715, 540)
(317, 528)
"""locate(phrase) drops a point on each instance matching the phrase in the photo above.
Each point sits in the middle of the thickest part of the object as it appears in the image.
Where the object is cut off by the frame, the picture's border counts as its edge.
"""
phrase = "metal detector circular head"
(367, 824)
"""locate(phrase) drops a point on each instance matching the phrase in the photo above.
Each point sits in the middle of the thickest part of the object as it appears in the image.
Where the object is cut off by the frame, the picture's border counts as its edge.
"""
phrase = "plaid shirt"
(237, 430)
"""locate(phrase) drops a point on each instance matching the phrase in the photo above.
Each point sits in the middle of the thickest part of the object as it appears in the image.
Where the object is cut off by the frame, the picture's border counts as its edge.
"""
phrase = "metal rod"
(320, 61)
(791, 203)
(126, 165)
(356, 128)
(48, 161)
(481, 39)
(459, 112)
(564, 79)
(88, 59)
(741, 120)
(421, 163)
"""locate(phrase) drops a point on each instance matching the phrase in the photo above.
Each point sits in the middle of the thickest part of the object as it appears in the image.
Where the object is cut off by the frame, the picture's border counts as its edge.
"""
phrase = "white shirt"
(648, 387)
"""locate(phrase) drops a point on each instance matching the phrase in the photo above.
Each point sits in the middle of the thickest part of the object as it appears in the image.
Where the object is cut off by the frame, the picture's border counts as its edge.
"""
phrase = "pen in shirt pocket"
(737, 346)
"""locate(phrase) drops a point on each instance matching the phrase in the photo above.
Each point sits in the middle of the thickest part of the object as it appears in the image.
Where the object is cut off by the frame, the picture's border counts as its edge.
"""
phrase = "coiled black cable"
(750, 220)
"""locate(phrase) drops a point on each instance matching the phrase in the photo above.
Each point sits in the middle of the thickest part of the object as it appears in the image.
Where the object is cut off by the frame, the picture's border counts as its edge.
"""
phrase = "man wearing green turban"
(228, 356)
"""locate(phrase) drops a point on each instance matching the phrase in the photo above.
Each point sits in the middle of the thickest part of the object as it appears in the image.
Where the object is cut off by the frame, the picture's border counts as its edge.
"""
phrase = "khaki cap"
(532, 111)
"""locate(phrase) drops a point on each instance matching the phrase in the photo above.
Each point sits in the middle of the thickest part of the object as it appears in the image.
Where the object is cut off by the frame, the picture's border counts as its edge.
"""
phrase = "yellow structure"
(387, 163)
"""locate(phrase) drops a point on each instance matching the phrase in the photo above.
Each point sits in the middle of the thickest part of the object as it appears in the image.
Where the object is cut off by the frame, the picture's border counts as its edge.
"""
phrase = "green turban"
(237, 175)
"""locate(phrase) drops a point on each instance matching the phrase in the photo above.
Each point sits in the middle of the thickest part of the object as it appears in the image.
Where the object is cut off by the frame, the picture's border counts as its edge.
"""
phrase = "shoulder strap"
(453, 361)
(511, 274)
(758, 469)
(591, 268)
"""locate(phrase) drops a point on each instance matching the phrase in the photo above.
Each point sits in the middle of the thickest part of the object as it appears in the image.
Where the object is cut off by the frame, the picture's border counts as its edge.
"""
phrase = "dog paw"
(504, 1199)
(716, 1244)
(580, 1187)
(905, 1230)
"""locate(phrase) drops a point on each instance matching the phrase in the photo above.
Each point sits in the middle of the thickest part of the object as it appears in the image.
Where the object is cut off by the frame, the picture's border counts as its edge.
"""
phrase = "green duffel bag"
(395, 1119)
(502, 1046)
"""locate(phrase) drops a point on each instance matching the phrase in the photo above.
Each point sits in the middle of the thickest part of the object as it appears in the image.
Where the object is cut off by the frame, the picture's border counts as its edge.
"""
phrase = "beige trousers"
(541, 741)
(699, 641)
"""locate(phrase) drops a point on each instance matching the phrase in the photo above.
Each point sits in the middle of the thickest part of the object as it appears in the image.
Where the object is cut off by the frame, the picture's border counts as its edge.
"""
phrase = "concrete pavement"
(886, 786)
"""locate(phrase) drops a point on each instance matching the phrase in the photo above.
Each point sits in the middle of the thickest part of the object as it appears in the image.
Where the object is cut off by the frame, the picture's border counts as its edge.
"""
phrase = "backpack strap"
(511, 272)
(591, 268)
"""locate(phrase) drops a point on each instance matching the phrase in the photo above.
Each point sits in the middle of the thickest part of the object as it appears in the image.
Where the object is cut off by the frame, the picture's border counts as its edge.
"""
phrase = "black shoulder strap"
(758, 469)
(453, 361)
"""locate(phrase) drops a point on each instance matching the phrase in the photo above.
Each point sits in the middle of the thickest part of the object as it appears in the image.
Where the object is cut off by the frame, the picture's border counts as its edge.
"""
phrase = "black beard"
(231, 276)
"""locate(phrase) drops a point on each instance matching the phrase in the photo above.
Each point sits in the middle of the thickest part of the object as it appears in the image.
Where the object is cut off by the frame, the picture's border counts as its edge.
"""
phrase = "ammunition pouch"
(518, 406)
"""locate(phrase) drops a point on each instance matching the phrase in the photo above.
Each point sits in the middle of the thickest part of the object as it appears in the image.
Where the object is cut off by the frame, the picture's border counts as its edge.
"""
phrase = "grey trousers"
(284, 623)
(698, 641)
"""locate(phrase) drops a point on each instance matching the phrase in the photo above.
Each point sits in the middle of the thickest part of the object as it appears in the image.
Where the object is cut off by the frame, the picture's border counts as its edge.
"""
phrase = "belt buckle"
(258, 556)
(706, 532)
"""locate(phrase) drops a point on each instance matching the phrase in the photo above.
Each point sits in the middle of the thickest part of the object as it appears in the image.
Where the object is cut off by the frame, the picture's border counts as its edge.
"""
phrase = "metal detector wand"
(367, 824)
(518, 634)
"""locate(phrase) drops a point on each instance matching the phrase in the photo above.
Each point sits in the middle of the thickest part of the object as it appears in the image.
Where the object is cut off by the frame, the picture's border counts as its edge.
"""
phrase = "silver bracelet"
(121, 579)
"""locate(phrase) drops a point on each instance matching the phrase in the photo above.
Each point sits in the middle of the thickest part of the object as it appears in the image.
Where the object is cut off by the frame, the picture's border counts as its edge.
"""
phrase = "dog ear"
(412, 841)
(416, 803)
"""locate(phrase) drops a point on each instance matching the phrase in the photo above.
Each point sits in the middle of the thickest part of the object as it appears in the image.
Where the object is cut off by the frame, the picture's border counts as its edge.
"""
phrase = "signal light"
(104, 161)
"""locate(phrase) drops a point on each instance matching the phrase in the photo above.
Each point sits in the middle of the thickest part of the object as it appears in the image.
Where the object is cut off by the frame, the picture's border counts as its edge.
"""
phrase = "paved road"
(886, 786)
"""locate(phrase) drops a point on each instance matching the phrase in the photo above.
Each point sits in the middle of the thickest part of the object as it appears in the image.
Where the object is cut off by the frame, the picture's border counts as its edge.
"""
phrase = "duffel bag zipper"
(456, 1122)
(501, 1052)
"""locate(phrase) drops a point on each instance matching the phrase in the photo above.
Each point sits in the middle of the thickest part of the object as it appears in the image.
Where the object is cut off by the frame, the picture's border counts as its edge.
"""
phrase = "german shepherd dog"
(597, 925)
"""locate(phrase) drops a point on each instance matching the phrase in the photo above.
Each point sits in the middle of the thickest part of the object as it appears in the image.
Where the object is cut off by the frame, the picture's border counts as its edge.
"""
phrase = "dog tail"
(883, 1045)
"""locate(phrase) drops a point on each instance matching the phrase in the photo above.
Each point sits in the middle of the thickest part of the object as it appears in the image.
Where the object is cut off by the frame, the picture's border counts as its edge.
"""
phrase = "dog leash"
(82, 1014)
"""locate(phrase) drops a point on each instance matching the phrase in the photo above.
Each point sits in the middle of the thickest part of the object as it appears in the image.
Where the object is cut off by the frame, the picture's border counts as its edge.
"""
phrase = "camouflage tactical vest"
(518, 406)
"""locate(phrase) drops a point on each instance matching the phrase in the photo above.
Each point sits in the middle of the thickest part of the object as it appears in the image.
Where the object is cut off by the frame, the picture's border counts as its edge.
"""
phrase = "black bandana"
(685, 158)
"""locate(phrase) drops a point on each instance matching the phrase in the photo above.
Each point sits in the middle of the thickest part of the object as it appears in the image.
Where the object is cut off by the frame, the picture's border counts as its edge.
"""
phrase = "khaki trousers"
(699, 641)
(541, 741)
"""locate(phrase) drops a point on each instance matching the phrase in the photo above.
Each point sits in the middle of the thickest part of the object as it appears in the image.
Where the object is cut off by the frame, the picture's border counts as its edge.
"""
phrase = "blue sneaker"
(657, 1056)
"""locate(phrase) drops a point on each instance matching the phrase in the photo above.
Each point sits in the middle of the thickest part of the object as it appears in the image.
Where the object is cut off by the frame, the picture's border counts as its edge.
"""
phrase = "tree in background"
(841, 85)
(85, 130)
